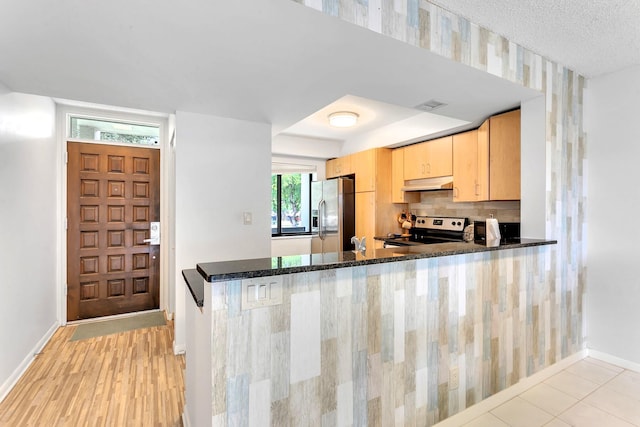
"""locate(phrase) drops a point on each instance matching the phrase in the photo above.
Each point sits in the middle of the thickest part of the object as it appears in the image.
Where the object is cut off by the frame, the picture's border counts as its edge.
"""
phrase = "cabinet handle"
(477, 189)
(456, 192)
(428, 167)
(422, 169)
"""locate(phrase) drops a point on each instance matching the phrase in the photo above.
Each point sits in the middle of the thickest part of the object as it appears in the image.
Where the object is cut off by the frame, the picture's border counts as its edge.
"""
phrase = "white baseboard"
(503, 396)
(632, 366)
(8, 385)
(179, 348)
(185, 417)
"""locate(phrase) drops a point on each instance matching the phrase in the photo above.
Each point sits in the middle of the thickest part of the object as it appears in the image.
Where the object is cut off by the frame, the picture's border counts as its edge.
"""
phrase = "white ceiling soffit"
(372, 115)
(304, 146)
(379, 124)
(271, 61)
(591, 37)
(375, 118)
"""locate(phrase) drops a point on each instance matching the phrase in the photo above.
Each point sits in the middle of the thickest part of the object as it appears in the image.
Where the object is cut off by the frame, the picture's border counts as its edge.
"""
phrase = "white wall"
(613, 268)
(283, 246)
(223, 168)
(534, 168)
(27, 230)
(197, 377)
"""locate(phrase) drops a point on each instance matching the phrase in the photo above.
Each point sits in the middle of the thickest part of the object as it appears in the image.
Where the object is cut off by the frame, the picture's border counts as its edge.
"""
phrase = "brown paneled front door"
(113, 194)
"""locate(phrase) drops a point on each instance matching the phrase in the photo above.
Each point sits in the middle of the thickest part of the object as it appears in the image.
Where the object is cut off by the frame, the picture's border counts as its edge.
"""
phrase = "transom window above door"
(91, 129)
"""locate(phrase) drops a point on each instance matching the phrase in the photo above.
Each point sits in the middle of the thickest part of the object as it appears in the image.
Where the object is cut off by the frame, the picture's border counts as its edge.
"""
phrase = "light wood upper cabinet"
(372, 169)
(465, 166)
(504, 156)
(364, 166)
(397, 179)
(487, 161)
(339, 166)
(374, 210)
(471, 165)
(429, 159)
(397, 175)
(483, 161)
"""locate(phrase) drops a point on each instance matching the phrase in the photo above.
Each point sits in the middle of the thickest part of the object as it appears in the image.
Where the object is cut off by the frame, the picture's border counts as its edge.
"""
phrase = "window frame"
(278, 227)
(70, 116)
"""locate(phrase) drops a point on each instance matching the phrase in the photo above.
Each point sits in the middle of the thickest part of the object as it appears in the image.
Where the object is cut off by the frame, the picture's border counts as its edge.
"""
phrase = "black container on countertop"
(509, 232)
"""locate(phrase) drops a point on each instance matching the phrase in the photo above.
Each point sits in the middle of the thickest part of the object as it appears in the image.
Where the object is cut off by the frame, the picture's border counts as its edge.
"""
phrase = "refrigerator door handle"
(321, 208)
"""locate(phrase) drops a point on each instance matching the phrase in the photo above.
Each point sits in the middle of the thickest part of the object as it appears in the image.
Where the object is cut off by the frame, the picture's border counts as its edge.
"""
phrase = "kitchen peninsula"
(400, 335)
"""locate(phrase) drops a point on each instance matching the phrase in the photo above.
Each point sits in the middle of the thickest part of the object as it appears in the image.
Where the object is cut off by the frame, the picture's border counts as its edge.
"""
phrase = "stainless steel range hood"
(429, 184)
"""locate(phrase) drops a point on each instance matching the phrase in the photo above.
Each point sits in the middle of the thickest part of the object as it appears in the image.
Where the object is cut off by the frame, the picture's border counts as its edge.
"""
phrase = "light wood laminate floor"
(125, 379)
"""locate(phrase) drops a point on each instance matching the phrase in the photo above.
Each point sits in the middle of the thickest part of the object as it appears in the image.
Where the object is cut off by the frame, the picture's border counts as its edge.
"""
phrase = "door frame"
(166, 122)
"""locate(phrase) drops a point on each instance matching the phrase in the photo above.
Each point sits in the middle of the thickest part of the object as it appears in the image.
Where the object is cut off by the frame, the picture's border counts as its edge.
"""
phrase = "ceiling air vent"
(430, 105)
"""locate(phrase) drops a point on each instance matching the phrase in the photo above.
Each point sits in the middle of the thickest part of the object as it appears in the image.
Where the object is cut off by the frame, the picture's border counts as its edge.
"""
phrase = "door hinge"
(66, 223)
(66, 157)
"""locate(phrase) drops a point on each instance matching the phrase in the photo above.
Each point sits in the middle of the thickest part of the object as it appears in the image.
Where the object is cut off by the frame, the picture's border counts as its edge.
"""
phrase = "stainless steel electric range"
(429, 230)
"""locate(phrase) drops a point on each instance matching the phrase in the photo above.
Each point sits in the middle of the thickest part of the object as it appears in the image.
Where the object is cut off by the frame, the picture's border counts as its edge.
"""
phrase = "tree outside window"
(290, 198)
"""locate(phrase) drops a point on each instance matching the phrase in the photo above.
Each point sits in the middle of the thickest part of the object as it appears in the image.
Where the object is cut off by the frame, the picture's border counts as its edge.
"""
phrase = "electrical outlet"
(454, 378)
(261, 292)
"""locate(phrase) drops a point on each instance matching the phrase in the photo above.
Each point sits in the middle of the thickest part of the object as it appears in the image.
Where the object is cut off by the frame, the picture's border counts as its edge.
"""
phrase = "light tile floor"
(589, 393)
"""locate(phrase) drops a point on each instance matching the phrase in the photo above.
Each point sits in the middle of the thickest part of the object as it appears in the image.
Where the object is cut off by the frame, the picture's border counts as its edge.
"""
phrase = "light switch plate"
(247, 218)
(261, 292)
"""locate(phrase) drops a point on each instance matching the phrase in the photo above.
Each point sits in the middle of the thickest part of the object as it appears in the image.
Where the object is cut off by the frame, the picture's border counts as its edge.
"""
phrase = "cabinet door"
(331, 167)
(397, 179)
(429, 159)
(504, 156)
(397, 175)
(482, 188)
(366, 215)
(465, 166)
(440, 157)
(363, 164)
(415, 161)
(340, 166)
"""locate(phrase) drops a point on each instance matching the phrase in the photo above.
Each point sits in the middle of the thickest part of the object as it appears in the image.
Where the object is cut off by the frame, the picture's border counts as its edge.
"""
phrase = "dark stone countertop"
(195, 284)
(260, 267)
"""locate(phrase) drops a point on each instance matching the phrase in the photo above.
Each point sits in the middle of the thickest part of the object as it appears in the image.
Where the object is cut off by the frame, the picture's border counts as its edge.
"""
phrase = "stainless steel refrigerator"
(332, 215)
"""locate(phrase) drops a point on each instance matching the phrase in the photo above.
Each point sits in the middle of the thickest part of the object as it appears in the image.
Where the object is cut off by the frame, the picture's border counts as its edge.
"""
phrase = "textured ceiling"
(592, 37)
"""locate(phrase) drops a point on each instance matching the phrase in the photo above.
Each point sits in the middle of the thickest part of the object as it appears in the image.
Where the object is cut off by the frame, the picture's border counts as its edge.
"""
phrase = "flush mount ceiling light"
(343, 119)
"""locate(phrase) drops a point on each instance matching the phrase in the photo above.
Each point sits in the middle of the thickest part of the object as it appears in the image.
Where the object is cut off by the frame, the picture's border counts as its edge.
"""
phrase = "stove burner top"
(430, 230)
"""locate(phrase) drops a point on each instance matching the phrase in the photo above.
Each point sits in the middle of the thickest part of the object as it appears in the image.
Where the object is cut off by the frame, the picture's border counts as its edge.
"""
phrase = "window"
(109, 130)
(290, 204)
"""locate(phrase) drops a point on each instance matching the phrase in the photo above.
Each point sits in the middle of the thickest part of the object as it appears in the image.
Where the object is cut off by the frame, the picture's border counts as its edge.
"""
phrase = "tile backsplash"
(440, 203)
